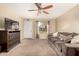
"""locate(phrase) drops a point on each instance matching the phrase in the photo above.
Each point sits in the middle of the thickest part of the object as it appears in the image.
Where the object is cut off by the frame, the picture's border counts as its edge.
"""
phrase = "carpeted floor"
(30, 47)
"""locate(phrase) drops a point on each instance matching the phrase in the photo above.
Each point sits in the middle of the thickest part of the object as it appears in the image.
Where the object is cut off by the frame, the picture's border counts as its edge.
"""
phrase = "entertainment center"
(9, 35)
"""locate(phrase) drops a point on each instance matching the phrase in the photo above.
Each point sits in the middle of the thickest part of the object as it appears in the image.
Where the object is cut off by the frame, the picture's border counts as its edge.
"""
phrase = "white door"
(28, 29)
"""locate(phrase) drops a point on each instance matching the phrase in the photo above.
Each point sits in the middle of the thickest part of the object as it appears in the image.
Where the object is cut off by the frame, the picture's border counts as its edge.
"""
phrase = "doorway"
(42, 29)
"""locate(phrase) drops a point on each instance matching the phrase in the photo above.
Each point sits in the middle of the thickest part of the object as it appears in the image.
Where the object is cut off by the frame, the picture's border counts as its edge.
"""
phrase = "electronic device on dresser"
(10, 36)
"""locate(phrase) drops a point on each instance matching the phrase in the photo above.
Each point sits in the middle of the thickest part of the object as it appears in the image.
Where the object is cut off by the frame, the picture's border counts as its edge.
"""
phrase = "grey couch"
(58, 43)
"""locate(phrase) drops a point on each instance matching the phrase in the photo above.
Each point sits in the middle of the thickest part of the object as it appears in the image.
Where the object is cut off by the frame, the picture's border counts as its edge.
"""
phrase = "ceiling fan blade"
(47, 7)
(32, 10)
(38, 5)
(45, 12)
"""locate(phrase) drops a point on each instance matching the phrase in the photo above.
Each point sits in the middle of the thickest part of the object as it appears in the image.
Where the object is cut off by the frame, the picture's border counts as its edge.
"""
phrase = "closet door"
(28, 28)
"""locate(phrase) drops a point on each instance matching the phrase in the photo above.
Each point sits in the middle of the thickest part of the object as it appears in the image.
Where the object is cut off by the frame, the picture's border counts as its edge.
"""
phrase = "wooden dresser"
(9, 39)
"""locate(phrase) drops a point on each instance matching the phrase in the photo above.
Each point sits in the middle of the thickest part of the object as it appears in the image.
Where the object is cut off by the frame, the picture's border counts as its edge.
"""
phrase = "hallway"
(29, 47)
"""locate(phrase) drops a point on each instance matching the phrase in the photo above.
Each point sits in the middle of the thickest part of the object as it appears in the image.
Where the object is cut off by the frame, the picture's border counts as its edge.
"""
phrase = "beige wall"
(9, 13)
(52, 26)
(69, 22)
(34, 29)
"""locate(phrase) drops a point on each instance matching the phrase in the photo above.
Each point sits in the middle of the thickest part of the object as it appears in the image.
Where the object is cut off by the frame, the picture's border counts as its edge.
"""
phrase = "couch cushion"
(65, 38)
(75, 39)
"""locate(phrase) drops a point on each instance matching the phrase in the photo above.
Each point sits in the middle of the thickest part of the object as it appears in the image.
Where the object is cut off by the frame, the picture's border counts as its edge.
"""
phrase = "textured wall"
(69, 22)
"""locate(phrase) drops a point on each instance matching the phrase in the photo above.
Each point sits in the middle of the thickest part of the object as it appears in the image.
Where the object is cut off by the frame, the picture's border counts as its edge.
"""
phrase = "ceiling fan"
(41, 9)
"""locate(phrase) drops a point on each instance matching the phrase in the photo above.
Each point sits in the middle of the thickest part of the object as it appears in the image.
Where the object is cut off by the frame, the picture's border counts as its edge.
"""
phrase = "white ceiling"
(56, 11)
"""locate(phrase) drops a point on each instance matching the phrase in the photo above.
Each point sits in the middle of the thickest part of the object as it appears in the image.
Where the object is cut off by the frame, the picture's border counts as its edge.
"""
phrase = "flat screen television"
(11, 24)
